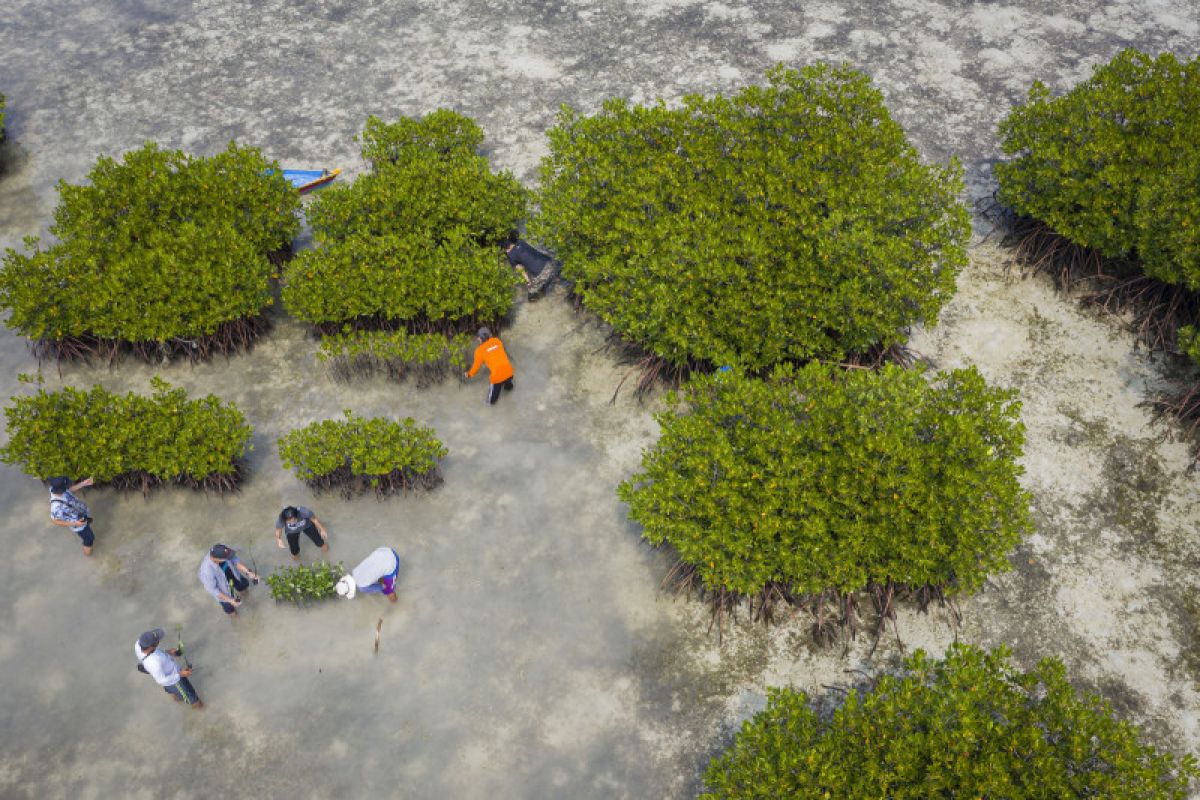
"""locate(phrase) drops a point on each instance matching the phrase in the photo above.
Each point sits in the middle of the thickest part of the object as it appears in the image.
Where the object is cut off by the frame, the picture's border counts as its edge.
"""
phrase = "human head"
(150, 639)
(221, 552)
(346, 587)
(484, 334)
(60, 484)
(290, 513)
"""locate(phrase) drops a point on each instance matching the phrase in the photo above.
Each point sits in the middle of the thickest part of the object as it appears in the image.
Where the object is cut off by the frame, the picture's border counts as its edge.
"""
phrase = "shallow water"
(531, 654)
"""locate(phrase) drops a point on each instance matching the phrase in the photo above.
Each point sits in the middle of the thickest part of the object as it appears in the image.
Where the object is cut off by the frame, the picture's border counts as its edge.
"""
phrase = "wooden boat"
(305, 180)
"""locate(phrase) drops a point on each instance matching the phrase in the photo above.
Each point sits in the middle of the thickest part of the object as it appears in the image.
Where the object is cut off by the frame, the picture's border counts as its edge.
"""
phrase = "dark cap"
(221, 552)
(60, 484)
(151, 638)
(484, 334)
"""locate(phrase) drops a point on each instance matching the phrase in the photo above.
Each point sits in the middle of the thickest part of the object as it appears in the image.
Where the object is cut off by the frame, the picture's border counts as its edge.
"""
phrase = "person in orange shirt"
(491, 352)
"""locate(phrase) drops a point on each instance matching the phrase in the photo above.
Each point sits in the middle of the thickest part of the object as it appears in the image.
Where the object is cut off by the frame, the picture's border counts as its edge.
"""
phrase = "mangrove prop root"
(836, 615)
(142, 481)
(364, 365)
(1119, 286)
(443, 327)
(395, 482)
(230, 337)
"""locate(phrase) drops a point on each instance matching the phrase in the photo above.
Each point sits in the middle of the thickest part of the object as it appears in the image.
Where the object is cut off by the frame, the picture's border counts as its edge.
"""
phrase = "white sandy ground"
(531, 654)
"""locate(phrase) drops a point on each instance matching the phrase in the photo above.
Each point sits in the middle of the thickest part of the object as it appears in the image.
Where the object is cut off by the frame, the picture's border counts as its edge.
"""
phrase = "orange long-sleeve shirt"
(492, 353)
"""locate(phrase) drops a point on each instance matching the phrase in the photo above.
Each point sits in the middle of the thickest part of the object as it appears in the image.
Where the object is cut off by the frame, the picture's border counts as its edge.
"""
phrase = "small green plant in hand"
(300, 584)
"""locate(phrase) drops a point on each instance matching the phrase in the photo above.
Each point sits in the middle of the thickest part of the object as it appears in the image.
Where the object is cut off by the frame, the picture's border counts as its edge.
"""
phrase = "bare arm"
(83, 484)
(321, 529)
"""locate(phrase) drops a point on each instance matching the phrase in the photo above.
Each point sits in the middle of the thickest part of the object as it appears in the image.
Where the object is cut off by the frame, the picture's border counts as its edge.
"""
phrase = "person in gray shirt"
(222, 575)
(294, 521)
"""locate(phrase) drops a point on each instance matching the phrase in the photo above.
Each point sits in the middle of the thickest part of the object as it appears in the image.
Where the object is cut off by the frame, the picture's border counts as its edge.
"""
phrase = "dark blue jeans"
(86, 535)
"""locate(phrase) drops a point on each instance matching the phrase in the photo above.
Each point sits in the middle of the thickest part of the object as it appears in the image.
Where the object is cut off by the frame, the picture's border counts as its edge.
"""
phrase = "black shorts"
(86, 535)
(309, 530)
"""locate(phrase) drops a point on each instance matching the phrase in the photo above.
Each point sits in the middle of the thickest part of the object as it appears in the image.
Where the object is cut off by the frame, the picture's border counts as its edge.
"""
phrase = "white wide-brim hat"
(346, 587)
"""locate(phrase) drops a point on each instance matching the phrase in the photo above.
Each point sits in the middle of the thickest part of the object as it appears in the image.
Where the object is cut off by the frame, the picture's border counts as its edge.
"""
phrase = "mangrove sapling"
(179, 645)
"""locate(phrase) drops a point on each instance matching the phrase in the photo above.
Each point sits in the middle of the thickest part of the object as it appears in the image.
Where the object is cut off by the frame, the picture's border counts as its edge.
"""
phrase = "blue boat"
(305, 180)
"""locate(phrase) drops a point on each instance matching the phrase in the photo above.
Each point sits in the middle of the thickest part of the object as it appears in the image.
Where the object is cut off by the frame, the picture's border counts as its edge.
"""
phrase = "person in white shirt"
(376, 575)
(160, 665)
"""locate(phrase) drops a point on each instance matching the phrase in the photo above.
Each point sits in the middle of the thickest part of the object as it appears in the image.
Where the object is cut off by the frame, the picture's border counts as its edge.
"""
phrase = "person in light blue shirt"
(222, 575)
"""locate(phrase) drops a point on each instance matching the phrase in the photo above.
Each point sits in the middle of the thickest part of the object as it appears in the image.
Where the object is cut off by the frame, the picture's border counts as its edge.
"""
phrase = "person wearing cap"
(490, 351)
(159, 664)
(529, 261)
(376, 575)
(221, 568)
(294, 521)
(68, 511)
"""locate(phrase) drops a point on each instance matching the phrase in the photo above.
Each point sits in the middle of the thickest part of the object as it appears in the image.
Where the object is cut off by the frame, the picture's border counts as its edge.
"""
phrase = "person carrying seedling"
(159, 664)
(529, 261)
(490, 351)
(294, 521)
(68, 511)
(376, 575)
(222, 575)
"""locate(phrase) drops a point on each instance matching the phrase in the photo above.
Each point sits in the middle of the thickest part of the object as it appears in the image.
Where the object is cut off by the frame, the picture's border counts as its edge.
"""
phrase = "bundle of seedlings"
(129, 441)
(970, 725)
(395, 354)
(355, 454)
(787, 222)
(413, 245)
(301, 585)
(161, 255)
(825, 489)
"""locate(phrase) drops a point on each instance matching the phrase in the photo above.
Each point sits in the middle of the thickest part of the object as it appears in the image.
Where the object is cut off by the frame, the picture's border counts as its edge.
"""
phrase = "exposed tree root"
(836, 616)
(231, 337)
(141, 481)
(364, 365)
(444, 327)
(395, 482)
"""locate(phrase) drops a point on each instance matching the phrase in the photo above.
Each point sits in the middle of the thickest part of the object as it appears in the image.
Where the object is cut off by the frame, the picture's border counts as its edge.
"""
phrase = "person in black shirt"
(538, 269)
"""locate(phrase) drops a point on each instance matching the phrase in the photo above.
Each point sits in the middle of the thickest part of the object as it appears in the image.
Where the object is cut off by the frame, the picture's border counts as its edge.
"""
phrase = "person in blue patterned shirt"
(68, 511)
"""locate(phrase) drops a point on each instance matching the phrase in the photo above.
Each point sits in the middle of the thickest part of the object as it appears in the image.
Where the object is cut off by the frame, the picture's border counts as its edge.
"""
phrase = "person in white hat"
(376, 575)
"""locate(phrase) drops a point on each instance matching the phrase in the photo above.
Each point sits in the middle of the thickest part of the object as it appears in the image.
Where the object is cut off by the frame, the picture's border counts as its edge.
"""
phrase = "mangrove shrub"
(1114, 164)
(968, 726)
(129, 441)
(413, 244)
(161, 253)
(824, 482)
(787, 222)
(357, 454)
